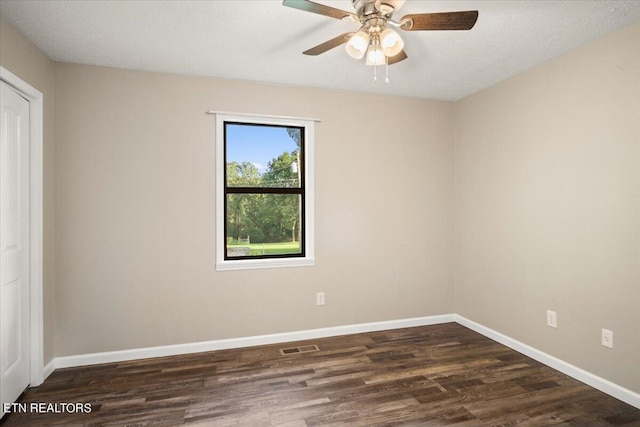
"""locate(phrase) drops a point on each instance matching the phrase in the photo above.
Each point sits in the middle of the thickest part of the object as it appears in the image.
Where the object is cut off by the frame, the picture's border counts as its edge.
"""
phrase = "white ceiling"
(262, 40)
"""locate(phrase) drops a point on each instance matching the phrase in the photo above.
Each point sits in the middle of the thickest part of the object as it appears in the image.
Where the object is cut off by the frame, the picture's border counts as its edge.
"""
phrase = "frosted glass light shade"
(375, 55)
(357, 45)
(391, 42)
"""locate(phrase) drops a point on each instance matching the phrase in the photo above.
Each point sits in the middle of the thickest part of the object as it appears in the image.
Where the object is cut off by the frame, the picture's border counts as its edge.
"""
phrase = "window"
(264, 201)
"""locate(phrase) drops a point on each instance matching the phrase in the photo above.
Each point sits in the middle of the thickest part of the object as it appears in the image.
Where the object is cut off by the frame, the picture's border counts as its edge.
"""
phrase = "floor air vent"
(298, 350)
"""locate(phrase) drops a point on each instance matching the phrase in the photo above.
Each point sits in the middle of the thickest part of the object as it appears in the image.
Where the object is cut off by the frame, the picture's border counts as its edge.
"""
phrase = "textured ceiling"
(263, 40)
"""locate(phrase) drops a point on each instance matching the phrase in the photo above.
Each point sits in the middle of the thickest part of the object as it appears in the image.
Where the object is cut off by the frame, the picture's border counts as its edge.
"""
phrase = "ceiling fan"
(376, 37)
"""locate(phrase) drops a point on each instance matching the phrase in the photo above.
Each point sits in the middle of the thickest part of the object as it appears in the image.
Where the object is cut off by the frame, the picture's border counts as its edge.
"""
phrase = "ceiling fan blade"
(440, 21)
(397, 58)
(309, 6)
(329, 44)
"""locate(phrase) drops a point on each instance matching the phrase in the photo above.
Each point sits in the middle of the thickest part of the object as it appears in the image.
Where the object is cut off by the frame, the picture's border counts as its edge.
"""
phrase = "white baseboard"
(606, 386)
(49, 368)
(197, 347)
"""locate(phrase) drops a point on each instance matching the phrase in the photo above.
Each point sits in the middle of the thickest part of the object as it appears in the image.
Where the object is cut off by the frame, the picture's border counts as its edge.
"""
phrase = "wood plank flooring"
(441, 375)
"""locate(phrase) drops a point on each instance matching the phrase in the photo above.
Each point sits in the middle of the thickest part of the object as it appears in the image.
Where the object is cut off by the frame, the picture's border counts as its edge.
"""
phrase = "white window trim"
(251, 264)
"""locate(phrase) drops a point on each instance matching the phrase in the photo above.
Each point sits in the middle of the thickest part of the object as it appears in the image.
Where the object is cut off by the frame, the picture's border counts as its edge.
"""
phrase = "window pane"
(263, 156)
(263, 224)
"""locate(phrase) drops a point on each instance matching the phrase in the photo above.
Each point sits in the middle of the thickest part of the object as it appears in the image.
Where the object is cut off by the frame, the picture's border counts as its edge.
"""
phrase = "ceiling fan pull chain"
(386, 62)
(375, 73)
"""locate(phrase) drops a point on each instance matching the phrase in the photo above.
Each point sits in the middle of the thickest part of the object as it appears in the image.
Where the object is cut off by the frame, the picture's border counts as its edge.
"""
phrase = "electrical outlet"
(607, 338)
(320, 298)
(552, 320)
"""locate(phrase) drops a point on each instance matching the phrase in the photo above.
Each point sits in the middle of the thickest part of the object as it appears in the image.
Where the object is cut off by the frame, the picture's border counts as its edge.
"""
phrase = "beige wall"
(135, 213)
(22, 58)
(548, 206)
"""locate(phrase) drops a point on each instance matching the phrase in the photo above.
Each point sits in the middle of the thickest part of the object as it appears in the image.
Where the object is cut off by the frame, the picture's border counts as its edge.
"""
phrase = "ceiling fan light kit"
(375, 39)
(357, 45)
(375, 55)
(391, 42)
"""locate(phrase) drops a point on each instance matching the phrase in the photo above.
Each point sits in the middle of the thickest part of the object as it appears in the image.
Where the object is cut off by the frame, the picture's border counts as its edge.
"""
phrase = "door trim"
(36, 333)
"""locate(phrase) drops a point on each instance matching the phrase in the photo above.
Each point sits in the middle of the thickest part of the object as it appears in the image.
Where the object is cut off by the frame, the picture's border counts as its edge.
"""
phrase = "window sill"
(245, 264)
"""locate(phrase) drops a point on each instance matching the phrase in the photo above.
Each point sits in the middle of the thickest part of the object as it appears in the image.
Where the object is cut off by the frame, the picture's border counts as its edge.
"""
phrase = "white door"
(14, 244)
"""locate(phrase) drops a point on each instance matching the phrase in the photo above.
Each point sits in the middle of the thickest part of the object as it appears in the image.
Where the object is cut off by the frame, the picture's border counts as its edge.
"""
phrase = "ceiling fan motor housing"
(364, 8)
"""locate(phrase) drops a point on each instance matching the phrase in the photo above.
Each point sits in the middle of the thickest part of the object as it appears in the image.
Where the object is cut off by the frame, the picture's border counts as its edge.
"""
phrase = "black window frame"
(227, 190)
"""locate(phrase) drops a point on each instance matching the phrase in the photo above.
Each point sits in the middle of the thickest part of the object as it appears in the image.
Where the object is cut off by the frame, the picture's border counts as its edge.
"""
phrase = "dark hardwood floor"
(437, 375)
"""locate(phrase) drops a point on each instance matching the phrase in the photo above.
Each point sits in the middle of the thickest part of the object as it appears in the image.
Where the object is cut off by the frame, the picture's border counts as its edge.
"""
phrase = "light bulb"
(357, 45)
(391, 42)
(375, 56)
